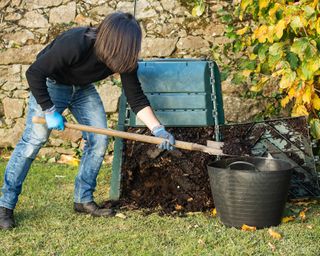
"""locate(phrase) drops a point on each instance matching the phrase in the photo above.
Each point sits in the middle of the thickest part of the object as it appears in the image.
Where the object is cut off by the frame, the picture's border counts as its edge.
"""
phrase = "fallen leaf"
(193, 226)
(178, 207)
(242, 31)
(193, 213)
(201, 242)
(287, 219)
(59, 176)
(80, 19)
(68, 159)
(246, 72)
(274, 234)
(302, 215)
(198, 10)
(309, 226)
(248, 228)
(121, 215)
(214, 212)
(272, 246)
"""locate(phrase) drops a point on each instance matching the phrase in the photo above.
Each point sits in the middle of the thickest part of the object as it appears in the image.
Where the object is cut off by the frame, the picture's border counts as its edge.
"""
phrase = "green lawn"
(48, 226)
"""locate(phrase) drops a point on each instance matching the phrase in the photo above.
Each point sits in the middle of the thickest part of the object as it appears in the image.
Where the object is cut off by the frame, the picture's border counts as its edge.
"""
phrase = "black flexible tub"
(250, 190)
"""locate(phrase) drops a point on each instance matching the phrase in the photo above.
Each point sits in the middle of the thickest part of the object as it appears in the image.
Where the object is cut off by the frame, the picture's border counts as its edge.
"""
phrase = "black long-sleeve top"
(70, 59)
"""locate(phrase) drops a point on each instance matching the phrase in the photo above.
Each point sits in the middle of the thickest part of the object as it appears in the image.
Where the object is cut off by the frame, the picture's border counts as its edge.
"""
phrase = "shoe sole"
(96, 216)
(7, 228)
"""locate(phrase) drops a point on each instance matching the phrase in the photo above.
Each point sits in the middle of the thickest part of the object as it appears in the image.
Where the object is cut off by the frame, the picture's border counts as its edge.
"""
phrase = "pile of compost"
(167, 181)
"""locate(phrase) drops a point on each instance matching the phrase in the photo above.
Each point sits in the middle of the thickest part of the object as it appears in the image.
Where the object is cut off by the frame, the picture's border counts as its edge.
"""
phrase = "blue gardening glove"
(54, 119)
(160, 131)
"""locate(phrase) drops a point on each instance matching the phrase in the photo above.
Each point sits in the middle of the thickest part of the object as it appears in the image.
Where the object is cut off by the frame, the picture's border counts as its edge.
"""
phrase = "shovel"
(212, 148)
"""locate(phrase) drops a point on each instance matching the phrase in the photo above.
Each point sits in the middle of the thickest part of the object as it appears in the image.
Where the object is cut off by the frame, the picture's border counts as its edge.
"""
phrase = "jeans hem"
(83, 201)
(7, 206)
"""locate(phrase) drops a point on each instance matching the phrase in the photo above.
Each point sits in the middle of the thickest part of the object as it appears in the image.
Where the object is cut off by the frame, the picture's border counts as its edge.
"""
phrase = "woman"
(62, 77)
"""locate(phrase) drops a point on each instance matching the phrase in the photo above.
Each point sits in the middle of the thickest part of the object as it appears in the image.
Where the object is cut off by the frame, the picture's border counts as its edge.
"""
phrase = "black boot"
(93, 209)
(6, 218)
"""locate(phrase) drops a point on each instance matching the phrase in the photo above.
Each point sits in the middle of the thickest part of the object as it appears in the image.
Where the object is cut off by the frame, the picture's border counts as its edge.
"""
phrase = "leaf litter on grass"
(287, 219)
(297, 209)
(272, 247)
(213, 235)
(121, 215)
(248, 228)
(69, 160)
(302, 214)
(274, 234)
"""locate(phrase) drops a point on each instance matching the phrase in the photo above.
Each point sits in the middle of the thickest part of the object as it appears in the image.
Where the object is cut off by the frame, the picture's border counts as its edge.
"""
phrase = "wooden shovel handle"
(134, 136)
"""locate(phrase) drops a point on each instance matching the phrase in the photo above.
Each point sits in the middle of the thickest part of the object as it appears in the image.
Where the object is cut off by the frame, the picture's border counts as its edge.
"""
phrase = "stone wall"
(169, 30)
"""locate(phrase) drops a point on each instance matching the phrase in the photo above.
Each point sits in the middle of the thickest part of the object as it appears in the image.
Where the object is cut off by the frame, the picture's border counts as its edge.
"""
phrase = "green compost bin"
(182, 93)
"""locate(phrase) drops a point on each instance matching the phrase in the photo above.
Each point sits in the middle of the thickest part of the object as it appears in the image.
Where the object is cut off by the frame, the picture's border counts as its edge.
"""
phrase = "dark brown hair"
(118, 42)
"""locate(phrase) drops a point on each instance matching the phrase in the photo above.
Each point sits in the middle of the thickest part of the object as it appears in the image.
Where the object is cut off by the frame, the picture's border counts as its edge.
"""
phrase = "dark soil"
(235, 140)
(168, 181)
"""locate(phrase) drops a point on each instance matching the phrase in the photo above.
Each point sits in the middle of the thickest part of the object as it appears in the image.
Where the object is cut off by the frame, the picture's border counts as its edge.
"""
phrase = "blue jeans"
(86, 106)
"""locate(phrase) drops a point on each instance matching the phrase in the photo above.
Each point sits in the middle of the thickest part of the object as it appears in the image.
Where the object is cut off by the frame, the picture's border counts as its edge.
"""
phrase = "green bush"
(280, 42)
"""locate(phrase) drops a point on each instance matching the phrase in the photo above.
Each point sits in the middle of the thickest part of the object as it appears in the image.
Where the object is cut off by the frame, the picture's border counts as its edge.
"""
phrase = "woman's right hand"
(169, 141)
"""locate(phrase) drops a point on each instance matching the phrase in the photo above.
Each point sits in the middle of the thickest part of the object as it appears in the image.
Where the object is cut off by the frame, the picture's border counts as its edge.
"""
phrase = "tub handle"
(243, 163)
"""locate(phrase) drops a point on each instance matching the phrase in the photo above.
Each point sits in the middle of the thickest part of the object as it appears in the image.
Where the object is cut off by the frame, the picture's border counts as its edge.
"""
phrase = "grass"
(48, 226)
